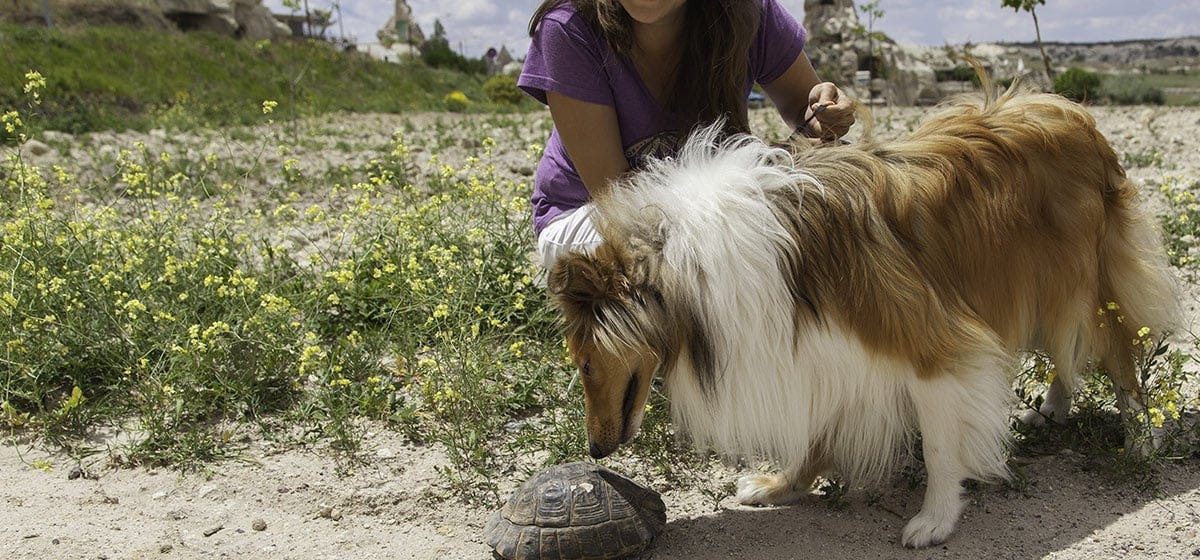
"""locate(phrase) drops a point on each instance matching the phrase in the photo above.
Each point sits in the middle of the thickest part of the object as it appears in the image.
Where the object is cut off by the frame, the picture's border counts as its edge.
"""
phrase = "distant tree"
(1029, 6)
(436, 52)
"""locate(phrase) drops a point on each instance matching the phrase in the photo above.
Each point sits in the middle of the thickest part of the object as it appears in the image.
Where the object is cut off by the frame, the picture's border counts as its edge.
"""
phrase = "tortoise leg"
(784, 487)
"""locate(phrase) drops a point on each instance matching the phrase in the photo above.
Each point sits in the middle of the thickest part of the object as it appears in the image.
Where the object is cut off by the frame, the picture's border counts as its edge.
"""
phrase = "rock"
(35, 148)
(258, 524)
(75, 472)
(165, 548)
(57, 137)
(257, 22)
(248, 19)
(213, 530)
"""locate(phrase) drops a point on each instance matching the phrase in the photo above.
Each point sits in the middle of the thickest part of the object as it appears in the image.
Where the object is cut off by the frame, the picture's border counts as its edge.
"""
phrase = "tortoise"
(576, 511)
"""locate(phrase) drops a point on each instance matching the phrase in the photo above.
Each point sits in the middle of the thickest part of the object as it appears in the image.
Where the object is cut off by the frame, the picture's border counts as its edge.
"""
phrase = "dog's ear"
(581, 279)
(643, 259)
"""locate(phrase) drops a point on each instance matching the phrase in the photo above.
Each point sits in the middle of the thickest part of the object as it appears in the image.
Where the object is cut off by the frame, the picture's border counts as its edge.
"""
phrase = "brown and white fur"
(821, 308)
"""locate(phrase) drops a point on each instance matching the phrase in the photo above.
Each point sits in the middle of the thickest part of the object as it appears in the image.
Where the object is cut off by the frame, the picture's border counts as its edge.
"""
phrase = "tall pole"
(307, 20)
(341, 29)
(46, 13)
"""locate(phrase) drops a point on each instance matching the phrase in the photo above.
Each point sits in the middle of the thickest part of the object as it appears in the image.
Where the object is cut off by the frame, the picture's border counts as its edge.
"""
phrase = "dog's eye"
(587, 368)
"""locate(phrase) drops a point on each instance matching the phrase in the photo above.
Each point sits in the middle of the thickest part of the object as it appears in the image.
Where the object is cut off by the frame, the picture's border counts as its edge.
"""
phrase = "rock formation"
(869, 65)
(238, 18)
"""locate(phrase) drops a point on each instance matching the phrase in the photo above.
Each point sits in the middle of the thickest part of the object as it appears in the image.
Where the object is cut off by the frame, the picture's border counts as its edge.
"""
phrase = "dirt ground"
(296, 503)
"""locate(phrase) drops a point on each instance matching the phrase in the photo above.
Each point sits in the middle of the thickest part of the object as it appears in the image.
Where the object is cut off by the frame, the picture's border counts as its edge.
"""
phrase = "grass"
(121, 78)
(190, 298)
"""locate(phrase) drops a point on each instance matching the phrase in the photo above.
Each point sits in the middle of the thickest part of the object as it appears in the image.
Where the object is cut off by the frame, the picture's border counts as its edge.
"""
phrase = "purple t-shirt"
(569, 57)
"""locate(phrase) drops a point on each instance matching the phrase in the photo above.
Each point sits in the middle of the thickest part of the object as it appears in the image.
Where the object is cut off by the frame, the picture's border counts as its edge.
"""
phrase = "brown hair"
(710, 81)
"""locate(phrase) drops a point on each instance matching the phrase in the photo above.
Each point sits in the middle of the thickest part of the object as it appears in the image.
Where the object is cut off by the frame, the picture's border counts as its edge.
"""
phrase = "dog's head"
(618, 333)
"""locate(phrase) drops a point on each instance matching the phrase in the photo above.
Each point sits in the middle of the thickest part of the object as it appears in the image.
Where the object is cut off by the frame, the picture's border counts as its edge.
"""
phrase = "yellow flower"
(1142, 332)
(1156, 417)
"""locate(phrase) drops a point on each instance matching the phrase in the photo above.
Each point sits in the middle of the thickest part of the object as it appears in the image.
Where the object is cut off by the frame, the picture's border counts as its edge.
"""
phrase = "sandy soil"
(299, 503)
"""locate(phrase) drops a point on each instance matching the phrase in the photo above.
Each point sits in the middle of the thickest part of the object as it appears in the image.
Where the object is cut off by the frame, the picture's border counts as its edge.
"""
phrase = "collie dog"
(822, 308)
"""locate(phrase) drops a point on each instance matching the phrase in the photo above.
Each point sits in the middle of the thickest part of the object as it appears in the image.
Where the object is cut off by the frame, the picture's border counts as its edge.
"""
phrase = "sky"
(472, 26)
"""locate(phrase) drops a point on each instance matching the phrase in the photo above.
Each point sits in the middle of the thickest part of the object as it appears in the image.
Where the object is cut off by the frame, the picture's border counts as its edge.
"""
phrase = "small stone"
(159, 495)
(33, 147)
(75, 472)
(335, 514)
(206, 490)
(1196, 552)
(54, 541)
(325, 510)
(259, 524)
(385, 453)
(213, 530)
(165, 548)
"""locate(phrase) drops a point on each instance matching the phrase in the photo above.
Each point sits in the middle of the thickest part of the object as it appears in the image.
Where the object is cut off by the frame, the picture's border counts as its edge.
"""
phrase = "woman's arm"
(798, 91)
(592, 137)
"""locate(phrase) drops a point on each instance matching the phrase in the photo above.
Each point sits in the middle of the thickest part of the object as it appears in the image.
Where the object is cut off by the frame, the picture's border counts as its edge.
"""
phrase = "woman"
(628, 79)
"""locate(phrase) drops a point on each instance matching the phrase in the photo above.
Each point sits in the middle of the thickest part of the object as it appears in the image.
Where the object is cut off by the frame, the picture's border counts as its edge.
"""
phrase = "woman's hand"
(830, 111)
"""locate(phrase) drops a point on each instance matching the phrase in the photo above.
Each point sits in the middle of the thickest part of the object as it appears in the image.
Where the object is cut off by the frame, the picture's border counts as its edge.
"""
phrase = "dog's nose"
(595, 451)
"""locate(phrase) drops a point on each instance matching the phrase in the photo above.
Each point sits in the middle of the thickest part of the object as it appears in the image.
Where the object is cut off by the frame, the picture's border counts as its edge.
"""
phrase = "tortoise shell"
(576, 511)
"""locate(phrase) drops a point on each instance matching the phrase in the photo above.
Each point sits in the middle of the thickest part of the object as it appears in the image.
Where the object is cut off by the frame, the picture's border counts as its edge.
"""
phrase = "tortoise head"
(618, 335)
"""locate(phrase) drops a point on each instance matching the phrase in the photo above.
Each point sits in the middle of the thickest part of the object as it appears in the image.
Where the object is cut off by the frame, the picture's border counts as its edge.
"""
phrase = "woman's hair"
(710, 81)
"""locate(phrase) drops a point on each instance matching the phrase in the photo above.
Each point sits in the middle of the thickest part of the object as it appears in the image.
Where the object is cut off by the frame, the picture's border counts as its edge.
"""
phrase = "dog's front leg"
(943, 488)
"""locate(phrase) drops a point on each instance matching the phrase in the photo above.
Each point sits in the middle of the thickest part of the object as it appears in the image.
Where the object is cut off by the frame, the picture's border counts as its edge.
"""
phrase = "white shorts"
(570, 232)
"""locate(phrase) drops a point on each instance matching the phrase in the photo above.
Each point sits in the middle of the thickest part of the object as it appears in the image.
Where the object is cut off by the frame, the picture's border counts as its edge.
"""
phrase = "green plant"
(1078, 84)
(100, 78)
(1130, 90)
(1181, 223)
(502, 89)
(456, 101)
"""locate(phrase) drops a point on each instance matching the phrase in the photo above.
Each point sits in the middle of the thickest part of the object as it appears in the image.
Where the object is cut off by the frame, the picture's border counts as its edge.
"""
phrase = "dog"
(821, 308)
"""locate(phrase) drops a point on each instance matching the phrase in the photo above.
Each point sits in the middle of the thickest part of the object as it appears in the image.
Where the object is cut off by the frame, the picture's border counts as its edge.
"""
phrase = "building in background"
(400, 36)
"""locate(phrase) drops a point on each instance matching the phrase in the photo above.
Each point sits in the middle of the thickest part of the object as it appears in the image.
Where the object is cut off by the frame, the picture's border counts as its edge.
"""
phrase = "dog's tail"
(1138, 300)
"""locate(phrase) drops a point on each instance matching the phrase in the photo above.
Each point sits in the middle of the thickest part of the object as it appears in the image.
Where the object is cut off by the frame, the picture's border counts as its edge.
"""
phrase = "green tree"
(1030, 6)
(873, 13)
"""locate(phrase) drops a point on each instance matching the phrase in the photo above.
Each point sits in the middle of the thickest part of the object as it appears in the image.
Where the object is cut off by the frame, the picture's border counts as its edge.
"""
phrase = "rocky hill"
(1183, 52)
(237, 18)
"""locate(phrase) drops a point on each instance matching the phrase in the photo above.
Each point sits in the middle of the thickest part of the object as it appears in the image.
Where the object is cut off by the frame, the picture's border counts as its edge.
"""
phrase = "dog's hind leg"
(1055, 408)
(784, 487)
(1067, 340)
(1140, 436)
(963, 418)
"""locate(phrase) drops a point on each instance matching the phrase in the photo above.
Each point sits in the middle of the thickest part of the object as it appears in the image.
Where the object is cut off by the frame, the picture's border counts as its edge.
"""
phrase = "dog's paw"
(927, 529)
(766, 490)
(1033, 418)
(1144, 442)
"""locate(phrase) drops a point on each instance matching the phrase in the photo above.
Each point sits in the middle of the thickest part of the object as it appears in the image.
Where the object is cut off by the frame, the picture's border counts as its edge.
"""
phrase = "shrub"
(960, 73)
(1078, 84)
(456, 101)
(502, 88)
(1131, 90)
